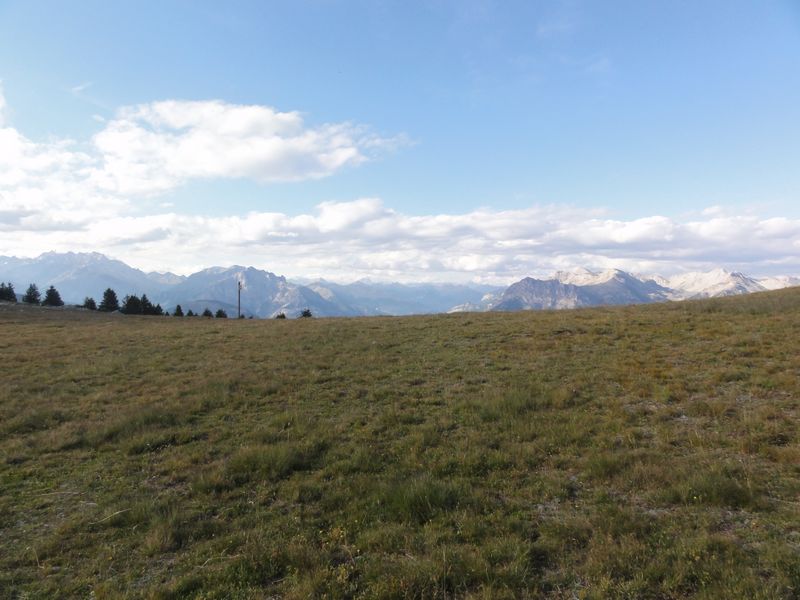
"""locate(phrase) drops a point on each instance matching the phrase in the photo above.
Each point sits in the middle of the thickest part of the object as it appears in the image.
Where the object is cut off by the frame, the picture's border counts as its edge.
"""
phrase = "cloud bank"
(151, 149)
(66, 195)
(348, 240)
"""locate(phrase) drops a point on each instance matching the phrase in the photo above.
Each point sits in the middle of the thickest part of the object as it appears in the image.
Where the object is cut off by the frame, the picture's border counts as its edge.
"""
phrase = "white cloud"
(151, 149)
(82, 87)
(49, 183)
(348, 240)
(335, 216)
(156, 147)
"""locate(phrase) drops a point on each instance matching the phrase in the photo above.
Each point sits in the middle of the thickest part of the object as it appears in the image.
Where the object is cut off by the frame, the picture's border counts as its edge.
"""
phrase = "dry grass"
(624, 452)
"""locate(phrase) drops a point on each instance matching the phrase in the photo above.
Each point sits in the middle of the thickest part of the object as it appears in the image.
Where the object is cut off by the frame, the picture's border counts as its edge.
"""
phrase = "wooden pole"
(239, 302)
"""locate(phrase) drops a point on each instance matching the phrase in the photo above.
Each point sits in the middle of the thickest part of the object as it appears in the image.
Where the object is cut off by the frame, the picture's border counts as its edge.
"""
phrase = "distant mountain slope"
(537, 294)
(370, 298)
(487, 301)
(611, 287)
(583, 276)
(166, 278)
(780, 282)
(265, 294)
(619, 287)
(77, 275)
(587, 288)
(716, 283)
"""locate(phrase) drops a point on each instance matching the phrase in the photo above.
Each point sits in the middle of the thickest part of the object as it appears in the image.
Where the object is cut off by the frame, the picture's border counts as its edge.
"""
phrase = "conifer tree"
(7, 292)
(89, 303)
(32, 296)
(178, 311)
(147, 307)
(109, 303)
(52, 297)
(207, 313)
(221, 314)
(131, 305)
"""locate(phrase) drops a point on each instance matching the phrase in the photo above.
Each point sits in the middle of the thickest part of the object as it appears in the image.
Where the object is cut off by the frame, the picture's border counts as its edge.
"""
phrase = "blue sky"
(621, 112)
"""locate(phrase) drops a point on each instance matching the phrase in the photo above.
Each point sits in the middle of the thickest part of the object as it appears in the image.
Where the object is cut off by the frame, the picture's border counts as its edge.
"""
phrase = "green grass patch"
(627, 452)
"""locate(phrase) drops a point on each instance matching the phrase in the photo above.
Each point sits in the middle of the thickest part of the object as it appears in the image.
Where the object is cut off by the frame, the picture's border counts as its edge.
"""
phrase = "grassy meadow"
(630, 452)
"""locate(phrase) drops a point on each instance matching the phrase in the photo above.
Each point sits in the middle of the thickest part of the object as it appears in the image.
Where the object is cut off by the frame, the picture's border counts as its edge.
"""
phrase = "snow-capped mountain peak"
(717, 282)
(77, 275)
(582, 276)
(779, 282)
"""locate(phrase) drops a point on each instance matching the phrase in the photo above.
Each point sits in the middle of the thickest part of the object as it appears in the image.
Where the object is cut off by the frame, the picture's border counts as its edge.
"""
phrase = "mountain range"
(588, 288)
(265, 294)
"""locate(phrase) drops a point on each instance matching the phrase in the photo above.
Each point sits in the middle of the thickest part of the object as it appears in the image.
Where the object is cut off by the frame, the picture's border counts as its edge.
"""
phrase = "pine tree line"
(7, 293)
(32, 295)
(131, 304)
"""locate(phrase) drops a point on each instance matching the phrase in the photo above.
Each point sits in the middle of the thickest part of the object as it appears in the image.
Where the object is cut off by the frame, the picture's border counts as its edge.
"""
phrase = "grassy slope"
(643, 451)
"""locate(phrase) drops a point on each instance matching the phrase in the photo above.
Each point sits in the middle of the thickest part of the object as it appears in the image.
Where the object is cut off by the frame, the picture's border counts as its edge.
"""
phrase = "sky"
(430, 140)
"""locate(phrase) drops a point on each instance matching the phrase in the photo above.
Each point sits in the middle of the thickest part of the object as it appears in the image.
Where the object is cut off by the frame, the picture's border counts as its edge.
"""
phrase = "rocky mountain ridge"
(265, 294)
(588, 288)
